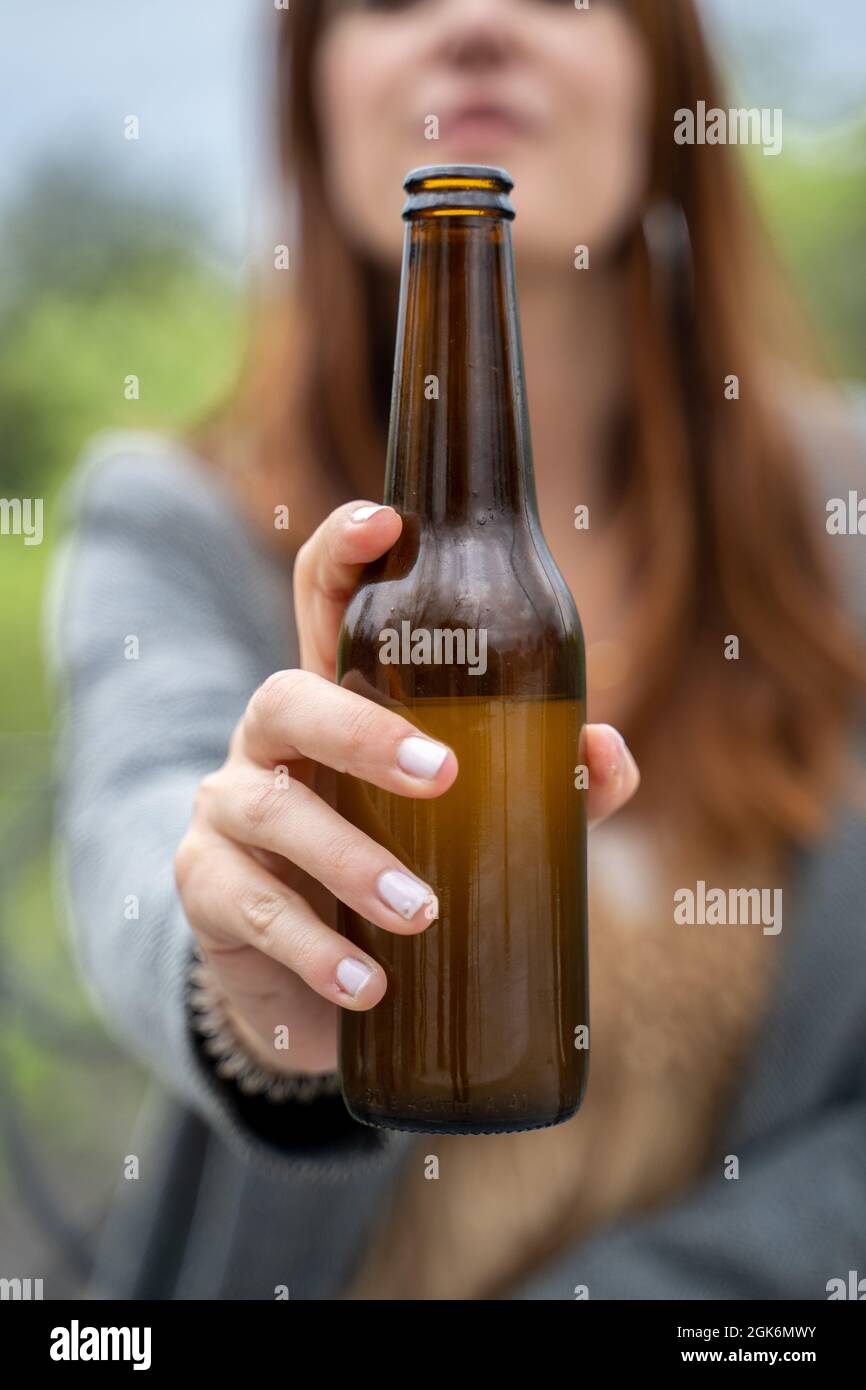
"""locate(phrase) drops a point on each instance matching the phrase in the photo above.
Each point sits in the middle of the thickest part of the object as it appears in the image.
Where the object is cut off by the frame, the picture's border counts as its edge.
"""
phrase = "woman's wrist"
(233, 1049)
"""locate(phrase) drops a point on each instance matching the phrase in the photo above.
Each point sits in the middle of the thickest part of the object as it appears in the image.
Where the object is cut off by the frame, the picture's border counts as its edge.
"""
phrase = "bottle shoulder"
(505, 580)
(457, 599)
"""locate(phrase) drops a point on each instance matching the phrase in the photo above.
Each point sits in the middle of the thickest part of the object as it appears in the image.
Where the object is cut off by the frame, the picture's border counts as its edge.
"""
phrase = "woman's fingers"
(327, 569)
(291, 820)
(233, 901)
(299, 714)
(613, 773)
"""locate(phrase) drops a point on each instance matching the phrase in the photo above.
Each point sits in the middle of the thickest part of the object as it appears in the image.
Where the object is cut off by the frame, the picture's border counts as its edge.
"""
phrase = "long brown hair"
(722, 540)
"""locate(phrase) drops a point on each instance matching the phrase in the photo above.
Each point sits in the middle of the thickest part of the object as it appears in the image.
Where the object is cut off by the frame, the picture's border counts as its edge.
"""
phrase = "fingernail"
(421, 757)
(406, 895)
(623, 767)
(364, 513)
(352, 975)
(630, 767)
(616, 767)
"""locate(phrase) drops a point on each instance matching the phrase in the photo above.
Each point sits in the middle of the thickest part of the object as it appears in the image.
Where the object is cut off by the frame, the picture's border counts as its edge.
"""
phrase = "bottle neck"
(459, 447)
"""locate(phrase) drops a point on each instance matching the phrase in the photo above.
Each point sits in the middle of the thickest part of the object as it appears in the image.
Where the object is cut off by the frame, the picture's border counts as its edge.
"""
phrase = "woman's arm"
(165, 618)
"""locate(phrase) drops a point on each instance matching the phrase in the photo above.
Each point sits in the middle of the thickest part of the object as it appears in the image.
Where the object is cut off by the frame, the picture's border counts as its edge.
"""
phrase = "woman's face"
(557, 95)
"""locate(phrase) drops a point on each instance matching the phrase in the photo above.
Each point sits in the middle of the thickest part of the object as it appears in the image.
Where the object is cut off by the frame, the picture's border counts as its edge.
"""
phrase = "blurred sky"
(192, 70)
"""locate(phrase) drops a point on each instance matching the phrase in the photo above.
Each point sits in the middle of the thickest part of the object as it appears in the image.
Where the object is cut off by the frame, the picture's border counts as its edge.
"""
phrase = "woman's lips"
(484, 124)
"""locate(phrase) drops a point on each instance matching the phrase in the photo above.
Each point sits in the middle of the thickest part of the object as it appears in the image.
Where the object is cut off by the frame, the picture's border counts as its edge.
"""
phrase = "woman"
(719, 1150)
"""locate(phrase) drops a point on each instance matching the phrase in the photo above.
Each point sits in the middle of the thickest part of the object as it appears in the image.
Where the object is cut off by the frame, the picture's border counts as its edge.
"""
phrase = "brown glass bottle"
(467, 628)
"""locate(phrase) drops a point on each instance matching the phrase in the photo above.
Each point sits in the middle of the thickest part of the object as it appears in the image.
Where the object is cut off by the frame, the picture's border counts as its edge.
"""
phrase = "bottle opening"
(458, 190)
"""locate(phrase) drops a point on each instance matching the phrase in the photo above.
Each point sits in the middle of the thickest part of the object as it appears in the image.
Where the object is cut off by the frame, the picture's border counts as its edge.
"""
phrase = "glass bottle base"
(414, 1125)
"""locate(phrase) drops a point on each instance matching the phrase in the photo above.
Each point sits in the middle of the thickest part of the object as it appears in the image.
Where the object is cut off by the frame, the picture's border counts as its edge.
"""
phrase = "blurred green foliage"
(95, 287)
(813, 198)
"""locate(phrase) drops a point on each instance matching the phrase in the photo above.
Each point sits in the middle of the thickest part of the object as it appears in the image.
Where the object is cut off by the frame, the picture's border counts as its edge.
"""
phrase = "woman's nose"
(478, 33)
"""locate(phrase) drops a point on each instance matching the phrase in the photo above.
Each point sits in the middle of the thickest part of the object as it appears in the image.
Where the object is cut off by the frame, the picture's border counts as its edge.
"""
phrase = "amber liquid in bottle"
(467, 629)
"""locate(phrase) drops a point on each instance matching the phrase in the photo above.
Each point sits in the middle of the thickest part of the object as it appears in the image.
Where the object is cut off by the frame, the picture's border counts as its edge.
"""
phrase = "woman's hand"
(266, 855)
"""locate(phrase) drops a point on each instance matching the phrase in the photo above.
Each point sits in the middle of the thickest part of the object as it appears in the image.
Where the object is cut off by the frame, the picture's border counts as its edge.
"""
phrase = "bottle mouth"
(458, 190)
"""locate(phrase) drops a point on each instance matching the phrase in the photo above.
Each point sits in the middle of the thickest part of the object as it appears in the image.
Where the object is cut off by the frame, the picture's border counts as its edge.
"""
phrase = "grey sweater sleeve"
(165, 615)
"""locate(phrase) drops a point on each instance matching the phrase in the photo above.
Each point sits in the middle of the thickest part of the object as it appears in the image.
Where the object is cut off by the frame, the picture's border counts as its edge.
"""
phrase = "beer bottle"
(467, 629)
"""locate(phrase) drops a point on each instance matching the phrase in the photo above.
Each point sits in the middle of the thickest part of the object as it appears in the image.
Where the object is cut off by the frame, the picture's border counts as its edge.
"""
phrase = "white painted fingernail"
(364, 513)
(352, 975)
(421, 757)
(617, 767)
(406, 895)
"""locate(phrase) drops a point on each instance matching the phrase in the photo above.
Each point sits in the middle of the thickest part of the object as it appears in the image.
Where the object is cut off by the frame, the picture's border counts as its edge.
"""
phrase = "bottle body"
(467, 630)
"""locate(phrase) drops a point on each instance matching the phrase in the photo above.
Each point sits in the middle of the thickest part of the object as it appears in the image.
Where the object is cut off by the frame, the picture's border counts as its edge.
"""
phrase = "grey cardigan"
(238, 1198)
